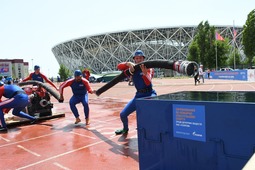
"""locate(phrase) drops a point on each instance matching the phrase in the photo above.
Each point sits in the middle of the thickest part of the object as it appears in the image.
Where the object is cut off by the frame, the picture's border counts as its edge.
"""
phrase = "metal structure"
(103, 52)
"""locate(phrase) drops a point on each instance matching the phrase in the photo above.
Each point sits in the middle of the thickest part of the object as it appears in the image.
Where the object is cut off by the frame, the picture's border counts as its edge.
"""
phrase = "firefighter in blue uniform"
(17, 99)
(142, 83)
(38, 76)
(80, 88)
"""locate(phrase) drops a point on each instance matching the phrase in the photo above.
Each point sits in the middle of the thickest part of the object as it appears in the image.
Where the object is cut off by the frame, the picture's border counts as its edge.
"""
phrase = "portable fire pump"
(40, 98)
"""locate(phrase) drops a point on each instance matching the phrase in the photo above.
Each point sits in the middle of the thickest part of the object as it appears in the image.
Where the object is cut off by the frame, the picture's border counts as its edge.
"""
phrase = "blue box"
(196, 130)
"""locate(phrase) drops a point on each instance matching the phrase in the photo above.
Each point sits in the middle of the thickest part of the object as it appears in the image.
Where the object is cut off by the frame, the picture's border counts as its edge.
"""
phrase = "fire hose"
(183, 67)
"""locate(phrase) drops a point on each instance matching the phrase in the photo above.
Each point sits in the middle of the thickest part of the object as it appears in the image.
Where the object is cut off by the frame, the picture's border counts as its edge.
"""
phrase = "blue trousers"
(18, 103)
(131, 107)
(75, 99)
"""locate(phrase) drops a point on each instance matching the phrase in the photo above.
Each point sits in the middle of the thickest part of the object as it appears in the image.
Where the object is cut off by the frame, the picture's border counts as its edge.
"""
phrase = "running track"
(58, 144)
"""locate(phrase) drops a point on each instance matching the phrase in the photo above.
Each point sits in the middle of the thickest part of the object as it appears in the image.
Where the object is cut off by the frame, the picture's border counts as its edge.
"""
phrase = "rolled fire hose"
(46, 87)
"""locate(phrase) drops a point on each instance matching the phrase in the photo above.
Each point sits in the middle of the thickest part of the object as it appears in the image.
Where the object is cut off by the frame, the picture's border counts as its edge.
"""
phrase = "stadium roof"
(102, 52)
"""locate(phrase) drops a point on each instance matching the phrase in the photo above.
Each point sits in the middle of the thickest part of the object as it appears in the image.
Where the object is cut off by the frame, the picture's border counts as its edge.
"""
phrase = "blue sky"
(30, 28)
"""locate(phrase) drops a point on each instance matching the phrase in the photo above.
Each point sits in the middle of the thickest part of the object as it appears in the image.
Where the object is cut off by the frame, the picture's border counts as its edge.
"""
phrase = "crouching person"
(16, 99)
(80, 88)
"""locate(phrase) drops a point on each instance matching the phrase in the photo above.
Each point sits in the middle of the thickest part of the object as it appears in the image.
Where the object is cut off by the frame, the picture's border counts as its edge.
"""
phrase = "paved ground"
(59, 144)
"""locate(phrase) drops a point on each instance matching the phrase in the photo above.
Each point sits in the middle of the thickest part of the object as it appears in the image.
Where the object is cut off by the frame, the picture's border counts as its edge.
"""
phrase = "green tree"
(201, 41)
(64, 72)
(210, 57)
(249, 37)
(81, 68)
(203, 47)
(234, 59)
(222, 52)
(193, 52)
(200, 48)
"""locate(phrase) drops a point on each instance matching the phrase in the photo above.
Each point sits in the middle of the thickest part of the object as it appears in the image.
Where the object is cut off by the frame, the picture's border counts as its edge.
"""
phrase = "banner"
(230, 75)
(5, 69)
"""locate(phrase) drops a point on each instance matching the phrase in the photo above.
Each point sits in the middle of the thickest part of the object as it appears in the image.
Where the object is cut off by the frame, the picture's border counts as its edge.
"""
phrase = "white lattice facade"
(103, 52)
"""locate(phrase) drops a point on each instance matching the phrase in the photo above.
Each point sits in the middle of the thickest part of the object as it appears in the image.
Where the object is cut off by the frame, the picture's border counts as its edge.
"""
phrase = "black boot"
(3, 130)
(121, 131)
(34, 121)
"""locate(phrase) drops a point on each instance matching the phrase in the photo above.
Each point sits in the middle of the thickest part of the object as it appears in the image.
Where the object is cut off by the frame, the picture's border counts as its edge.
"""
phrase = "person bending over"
(16, 99)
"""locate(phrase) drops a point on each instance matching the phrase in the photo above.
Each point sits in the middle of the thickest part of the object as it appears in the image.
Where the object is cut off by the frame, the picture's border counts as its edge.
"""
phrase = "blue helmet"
(139, 53)
(36, 67)
(77, 73)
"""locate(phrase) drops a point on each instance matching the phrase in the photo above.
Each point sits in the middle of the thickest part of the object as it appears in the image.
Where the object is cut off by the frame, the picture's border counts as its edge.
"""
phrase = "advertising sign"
(5, 68)
(230, 75)
(189, 122)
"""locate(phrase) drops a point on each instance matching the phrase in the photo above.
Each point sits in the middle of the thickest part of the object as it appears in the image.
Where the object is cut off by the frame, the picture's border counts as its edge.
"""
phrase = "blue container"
(196, 130)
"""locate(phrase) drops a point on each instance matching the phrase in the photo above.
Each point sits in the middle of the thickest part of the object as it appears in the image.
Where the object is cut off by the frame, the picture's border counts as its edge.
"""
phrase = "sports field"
(60, 144)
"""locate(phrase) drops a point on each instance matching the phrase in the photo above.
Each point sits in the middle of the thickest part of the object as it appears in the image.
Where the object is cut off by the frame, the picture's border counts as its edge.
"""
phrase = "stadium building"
(103, 52)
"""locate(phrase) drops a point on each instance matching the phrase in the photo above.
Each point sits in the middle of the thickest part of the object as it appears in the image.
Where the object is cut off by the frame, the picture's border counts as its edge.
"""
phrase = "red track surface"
(60, 144)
